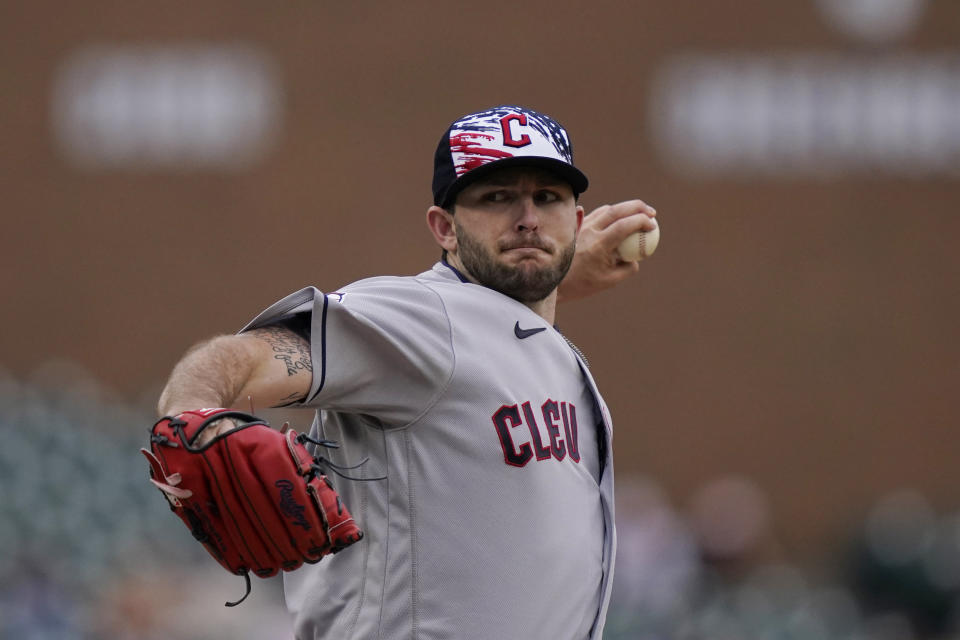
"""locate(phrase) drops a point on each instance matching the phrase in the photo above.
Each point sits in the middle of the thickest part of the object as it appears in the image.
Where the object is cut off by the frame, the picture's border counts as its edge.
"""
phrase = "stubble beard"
(523, 282)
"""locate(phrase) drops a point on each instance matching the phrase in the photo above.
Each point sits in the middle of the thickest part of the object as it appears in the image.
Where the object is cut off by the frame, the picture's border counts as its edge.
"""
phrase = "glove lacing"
(319, 460)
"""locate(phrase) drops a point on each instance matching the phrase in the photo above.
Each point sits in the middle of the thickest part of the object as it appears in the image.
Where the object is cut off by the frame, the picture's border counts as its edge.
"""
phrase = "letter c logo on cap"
(508, 137)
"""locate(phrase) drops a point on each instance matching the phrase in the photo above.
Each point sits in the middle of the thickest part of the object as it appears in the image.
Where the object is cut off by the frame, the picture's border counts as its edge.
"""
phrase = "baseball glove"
(253, 496)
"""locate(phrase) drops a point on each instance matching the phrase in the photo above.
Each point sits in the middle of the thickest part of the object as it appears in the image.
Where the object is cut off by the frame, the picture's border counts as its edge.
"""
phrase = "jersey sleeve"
(380, 347)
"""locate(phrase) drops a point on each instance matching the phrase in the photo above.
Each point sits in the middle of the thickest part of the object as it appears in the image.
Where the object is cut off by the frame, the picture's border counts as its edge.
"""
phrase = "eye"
(546, 196)
(496, 196)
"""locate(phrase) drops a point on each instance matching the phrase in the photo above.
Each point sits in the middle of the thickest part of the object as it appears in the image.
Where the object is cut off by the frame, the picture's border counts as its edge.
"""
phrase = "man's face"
(516, 231)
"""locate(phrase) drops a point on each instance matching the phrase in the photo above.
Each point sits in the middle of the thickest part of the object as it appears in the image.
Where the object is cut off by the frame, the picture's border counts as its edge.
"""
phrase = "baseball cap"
(479, 143)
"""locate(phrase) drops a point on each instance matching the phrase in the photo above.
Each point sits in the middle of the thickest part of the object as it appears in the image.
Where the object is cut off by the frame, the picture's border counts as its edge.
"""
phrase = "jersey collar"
(443, 261)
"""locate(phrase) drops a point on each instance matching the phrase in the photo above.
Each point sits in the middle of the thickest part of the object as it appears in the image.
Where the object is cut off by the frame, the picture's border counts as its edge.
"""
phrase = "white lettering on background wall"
(809, 114)
(165, 107)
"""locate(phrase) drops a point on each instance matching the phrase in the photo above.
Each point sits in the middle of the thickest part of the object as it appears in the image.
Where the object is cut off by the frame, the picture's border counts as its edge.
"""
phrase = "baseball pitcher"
(457, 480)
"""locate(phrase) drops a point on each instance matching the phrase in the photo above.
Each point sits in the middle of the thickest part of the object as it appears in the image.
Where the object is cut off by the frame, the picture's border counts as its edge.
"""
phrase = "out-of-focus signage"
(179, 107)
(879, 109)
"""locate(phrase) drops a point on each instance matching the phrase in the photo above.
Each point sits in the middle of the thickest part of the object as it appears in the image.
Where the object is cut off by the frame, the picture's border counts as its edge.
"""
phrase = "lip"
(526, 250)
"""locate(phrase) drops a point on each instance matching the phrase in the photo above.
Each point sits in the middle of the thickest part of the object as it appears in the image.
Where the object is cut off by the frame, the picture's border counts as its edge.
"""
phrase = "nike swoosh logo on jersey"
(526, 333)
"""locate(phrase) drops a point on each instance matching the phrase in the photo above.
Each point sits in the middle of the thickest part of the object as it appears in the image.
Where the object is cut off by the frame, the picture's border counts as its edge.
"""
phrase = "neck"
(546, 308)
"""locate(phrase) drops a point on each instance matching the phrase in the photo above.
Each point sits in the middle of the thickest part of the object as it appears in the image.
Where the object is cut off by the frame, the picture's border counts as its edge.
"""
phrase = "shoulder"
(437, 274)
(380, 290)
(388, 299)
(379, 283)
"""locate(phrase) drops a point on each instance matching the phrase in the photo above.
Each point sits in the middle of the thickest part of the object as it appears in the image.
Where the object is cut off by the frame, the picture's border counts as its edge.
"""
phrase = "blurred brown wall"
(799, 331)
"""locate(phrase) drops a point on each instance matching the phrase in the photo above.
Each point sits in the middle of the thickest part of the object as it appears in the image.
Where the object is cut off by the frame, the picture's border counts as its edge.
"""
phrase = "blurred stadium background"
(785, 397)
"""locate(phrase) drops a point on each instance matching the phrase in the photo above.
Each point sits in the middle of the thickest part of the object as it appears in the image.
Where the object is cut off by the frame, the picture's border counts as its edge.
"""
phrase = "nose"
(529, 219)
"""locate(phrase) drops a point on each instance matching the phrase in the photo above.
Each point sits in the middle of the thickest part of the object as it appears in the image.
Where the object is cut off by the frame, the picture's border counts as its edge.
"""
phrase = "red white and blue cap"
(504, 136)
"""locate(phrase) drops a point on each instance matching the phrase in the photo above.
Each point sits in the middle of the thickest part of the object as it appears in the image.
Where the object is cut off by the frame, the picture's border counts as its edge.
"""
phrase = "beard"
(524, 282)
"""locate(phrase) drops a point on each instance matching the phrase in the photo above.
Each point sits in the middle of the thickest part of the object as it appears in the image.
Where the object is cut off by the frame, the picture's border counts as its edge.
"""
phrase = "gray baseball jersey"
(488, 505)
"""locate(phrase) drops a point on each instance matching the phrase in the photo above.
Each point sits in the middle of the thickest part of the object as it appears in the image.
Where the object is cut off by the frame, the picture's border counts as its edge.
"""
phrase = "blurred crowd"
(703, 573)
(89, 550)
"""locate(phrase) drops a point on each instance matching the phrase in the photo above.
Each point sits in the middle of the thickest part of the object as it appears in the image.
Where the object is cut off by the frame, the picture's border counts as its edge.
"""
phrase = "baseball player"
(474, 446)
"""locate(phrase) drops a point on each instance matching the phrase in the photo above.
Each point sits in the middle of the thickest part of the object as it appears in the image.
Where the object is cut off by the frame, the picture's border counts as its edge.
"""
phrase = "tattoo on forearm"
(289, 348)
(289, 400)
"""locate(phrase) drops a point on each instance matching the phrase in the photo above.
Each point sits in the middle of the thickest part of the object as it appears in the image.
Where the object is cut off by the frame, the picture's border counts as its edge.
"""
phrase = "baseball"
(639, 245)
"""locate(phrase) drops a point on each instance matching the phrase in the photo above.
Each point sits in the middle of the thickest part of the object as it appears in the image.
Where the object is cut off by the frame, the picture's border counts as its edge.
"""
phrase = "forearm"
(212, 374)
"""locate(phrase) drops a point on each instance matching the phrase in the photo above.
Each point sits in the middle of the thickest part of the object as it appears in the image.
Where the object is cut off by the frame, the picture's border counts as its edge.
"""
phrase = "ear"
(580, 215)
(440, 222)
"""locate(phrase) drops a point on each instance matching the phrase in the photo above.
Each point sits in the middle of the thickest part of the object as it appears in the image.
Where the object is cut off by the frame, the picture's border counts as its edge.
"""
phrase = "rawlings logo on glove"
(253, 496)
(289, 506)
